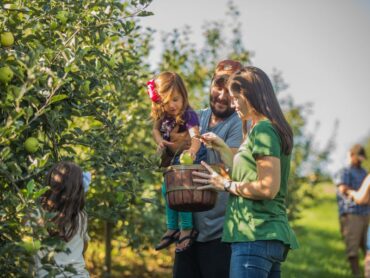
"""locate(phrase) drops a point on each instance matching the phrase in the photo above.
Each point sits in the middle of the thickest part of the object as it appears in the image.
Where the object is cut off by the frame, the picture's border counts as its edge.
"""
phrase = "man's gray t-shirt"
(210, 223)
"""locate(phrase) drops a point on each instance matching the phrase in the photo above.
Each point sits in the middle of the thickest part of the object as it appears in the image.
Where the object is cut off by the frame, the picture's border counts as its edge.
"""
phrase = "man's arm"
(343, 185)
(343, 189)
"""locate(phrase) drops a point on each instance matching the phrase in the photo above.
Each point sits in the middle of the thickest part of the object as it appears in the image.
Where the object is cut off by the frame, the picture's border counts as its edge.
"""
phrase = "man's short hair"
(359, 150)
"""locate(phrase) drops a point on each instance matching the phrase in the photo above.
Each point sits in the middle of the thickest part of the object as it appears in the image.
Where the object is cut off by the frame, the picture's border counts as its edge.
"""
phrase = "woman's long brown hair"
(256, 87)
(66, 198)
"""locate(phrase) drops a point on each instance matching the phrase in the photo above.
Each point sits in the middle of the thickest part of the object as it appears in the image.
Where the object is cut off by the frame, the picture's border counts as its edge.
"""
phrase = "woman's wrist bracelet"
(227, 185)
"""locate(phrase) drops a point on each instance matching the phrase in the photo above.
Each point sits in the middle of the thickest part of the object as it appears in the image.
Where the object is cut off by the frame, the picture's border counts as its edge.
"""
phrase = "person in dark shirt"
(208, 256)
(353, 218)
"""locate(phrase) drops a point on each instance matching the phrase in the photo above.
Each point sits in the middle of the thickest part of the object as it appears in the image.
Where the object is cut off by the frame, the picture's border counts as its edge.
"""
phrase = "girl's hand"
(211, 140)
(213, 180)
(163, 144)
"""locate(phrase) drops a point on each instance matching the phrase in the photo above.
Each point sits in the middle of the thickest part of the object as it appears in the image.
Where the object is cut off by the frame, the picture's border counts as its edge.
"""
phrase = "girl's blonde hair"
(166, 83)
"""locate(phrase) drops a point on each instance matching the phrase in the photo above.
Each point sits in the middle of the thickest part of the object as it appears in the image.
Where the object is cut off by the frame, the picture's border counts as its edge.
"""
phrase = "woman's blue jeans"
(261, 258)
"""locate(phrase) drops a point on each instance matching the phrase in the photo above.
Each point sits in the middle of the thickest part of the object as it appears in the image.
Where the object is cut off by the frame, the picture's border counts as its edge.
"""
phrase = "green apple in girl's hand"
(185, 159)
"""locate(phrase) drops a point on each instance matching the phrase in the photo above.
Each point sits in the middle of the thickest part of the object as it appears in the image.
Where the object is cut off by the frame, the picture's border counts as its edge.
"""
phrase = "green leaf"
(40, 192)
(5, 153)
(30, 187)
(57, 98)
(145, 13)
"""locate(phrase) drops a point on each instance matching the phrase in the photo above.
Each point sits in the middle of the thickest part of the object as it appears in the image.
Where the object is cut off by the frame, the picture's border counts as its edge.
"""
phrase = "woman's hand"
(211, 140)
(213, 180)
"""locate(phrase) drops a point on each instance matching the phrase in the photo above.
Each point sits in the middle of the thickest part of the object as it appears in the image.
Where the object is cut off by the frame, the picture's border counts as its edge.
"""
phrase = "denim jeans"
(368, 239)
(261, 258)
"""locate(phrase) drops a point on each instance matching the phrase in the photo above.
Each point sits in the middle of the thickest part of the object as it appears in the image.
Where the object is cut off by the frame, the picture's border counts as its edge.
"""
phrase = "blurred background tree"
(366, 144)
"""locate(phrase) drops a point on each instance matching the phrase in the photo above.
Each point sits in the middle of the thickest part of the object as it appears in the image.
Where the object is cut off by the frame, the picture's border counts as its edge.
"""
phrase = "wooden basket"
(181, 193)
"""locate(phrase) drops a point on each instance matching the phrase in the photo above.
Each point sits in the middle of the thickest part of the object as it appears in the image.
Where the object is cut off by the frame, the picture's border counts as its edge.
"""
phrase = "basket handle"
(178, 188)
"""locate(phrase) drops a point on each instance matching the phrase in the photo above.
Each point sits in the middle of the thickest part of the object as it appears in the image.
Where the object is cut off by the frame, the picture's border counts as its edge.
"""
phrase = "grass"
(321, 252)
(127, 263)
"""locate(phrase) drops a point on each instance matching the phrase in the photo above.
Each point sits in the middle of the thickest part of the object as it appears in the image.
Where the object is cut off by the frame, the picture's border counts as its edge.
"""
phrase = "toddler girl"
(170, 110)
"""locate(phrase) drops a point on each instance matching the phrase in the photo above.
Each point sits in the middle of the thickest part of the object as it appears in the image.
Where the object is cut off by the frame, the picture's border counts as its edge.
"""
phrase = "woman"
(256, 221)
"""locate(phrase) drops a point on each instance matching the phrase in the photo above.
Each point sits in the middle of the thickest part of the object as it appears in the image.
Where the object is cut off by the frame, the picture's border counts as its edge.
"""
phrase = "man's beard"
(221, 114)
(358, 164)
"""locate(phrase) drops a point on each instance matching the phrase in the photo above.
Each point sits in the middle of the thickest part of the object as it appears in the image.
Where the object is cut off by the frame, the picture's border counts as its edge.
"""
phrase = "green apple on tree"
(185, 158)
(53, 25)
(7, 39)
(6, 74)
(31, 145)
(86, 86)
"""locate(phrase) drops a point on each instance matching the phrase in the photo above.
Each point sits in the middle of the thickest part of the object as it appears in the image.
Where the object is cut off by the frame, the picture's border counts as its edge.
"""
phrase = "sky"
(322, 48)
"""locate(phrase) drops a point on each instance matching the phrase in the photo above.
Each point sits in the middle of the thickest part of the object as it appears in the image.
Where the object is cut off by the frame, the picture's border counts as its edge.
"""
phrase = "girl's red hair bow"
(152, 92)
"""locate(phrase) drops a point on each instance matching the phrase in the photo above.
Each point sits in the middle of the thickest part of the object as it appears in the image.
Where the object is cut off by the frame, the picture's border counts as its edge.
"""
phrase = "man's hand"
(343, 189)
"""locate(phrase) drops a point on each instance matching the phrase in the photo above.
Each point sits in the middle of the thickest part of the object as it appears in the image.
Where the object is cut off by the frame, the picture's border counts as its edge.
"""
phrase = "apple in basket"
(185, 159)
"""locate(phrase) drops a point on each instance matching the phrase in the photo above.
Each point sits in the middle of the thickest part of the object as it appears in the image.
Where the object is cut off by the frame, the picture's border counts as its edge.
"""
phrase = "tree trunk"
(108, 230)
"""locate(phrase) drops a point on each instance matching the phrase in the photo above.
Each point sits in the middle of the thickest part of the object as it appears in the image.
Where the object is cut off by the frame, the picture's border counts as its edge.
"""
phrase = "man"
(208, 257)
(354, 219)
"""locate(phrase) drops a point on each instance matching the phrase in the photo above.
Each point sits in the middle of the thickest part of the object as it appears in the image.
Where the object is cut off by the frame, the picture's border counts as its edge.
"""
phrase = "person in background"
(208, 257)
(256, 222)
(66, 199)
(353, 218)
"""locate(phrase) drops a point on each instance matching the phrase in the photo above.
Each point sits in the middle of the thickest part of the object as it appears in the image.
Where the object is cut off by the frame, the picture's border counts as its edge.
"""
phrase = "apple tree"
(72, 76)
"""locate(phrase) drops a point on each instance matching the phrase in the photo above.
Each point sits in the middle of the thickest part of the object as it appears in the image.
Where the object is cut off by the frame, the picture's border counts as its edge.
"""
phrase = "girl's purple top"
(168, 123)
